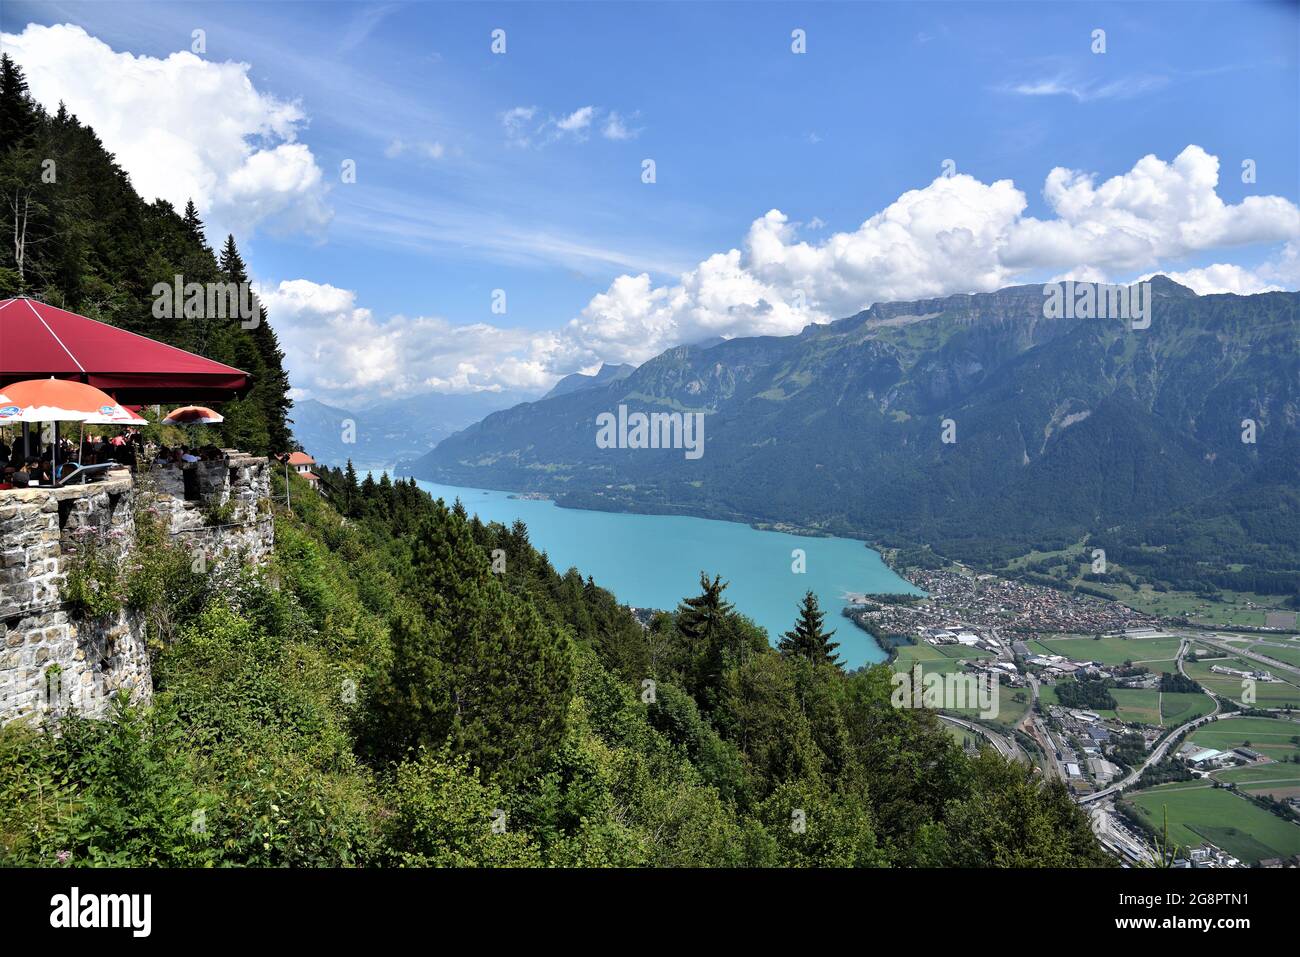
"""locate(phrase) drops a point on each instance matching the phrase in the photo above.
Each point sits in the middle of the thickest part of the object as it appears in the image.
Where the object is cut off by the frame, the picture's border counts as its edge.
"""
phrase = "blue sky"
(449, 204)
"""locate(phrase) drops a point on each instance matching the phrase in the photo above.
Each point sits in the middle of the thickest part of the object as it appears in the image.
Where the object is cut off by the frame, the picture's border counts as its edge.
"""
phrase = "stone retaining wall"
(51, 659)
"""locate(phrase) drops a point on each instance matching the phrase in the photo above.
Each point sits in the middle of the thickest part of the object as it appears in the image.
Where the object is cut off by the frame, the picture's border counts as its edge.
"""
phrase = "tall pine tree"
(809, 639)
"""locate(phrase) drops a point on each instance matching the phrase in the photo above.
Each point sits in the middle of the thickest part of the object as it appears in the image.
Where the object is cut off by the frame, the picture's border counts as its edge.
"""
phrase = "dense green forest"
(406, 686)
(78, 236)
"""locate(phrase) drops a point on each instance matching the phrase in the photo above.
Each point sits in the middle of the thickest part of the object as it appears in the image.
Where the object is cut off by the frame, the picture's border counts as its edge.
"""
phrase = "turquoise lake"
(654, 561)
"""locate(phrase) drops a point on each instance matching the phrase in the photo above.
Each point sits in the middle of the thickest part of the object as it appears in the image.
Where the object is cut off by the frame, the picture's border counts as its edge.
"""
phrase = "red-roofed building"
(301, 463)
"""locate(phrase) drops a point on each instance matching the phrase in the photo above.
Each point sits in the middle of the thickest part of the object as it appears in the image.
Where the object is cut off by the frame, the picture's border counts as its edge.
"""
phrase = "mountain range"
(578, 381)
(388, 432)
(973, 423)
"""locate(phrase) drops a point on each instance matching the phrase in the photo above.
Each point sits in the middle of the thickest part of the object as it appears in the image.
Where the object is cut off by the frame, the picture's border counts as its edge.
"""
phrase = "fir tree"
(194, 225)
(808, 639)
(17, 112)
(351, 492)
(703, 622)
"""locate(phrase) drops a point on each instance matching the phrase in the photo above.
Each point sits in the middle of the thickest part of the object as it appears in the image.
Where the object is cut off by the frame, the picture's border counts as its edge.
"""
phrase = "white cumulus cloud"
(183, 128)
(338, 351)
(954, 235)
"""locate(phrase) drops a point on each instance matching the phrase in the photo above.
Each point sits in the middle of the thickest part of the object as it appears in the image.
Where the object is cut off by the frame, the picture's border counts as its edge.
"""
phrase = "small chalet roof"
(40, 341)
(301, 458)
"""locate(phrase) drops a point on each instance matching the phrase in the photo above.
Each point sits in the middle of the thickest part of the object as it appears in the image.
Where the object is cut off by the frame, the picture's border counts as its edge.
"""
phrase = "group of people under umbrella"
(58, 401)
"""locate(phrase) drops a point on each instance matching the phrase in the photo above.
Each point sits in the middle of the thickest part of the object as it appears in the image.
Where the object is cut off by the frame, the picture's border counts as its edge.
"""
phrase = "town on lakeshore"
(1172, 733)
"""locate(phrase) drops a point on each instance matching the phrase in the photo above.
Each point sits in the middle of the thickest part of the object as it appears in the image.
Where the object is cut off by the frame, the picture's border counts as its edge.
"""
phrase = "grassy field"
(1199, 812)
(1279, 778)
(964, 652)
(1012, 705)
(962, 736)
(1110, 651)
(1268, 694)
(1137, 704)
(1268, 736)
(941, 658)
(910, 653)
(1288, 653)
(1276, 780)
(1146, 707)
(1181, 707)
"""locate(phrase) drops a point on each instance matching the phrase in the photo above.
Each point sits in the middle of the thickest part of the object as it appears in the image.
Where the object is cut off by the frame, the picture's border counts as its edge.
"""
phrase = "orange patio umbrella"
(193, 415)
(62, 400)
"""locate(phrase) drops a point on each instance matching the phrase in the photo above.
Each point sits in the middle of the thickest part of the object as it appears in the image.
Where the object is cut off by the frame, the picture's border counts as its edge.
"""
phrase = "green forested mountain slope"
(409, 687)
(1064, 427)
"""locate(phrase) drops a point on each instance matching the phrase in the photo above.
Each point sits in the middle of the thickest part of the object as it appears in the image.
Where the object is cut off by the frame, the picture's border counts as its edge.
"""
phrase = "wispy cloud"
(1088, 90)
(617, 128)
(525, 127)
(577, 122)
(386, 218)
(364, 23)
(427, 149)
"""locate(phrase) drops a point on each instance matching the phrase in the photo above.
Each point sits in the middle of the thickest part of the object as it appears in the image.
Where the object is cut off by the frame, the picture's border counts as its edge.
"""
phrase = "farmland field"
(1276, 779)
(1145, 706)
(1012, 705)
(1231, 610)
(1289, 654)
(1269, 736)
(1136, 704)
(963, 651)
(1110, 651)
(1268, 694)
(1180, 707)
(1200, 812)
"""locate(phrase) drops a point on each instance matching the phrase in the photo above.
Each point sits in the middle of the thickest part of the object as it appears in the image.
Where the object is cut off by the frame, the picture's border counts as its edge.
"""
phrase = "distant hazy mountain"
(390, 431)
(578, 381)
(1062, 428)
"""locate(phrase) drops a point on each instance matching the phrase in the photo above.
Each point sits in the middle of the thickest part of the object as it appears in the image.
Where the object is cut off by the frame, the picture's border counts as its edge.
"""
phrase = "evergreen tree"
(703, 622)
(351, 493)
(17, 111)
(809, 639)
(194, 225)
(472, 664)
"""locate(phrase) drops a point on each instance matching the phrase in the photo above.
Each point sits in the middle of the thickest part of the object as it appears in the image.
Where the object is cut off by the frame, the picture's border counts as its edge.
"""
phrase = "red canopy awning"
(38, 340)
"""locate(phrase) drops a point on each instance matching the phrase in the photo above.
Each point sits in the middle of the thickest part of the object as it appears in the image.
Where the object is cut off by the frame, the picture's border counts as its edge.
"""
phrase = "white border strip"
(56, 338)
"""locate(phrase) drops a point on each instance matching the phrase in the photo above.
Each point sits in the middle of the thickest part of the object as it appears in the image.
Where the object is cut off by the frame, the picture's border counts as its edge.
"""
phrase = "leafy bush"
(94, 586)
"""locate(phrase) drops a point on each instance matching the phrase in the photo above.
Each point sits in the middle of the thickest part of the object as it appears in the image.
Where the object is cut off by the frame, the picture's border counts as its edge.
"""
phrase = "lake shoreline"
(653, 558)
